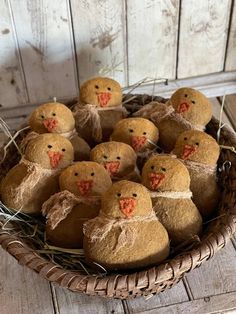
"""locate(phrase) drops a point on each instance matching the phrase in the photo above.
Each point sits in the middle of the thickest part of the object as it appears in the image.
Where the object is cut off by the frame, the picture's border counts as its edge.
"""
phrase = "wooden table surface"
(208, 289)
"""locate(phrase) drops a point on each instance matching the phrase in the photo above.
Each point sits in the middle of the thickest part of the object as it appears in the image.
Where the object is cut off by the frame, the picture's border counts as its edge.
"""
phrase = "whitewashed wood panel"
(203, 34)
(231, 49)
(19, 292)
(72, 303)
(12, 88)
(177, 294)
(44, 35)
(99, 31)
(152, 38)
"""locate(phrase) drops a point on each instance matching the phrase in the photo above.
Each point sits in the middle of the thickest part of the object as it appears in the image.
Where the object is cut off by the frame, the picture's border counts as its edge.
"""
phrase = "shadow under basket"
(150, 280)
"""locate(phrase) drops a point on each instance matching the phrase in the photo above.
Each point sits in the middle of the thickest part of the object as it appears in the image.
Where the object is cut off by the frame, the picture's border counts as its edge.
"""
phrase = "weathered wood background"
(48, 47)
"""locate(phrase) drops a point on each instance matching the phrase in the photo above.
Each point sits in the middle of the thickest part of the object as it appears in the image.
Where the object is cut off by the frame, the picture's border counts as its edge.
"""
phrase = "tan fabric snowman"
(126, 234)
(81, 187)
(168, 181)
(58, 119)
(31, 182)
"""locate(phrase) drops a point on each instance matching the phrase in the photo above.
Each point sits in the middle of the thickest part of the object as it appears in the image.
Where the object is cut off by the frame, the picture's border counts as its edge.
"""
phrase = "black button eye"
(118, 158)
(185, 138)
(152, 167)
(118, 194)
(54, 114)
(96, 86)
(193, 101)
(76, 174)
(197, 143)
(105, 157)
(185, 95)
(163, 169)
(144, 133)
(92, 174)
(49, 146)
(108, 88)
(63, 149)
(42, 117)
(134, 195)
(131, 130)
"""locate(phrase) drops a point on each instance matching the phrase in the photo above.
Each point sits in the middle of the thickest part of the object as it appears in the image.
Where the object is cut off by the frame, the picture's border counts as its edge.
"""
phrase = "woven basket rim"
(149, 281)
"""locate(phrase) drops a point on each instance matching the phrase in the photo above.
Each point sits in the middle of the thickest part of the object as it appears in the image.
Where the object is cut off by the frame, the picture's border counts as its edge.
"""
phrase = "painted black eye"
(105, 157)
(185, 95)
(197, 143)
(54, 114)
(152, 167)
(185, 138)
(49, 146)
(76, 174)
(163, 169)
(92, 174)
(118, 158)
(144, 133)
(118, 194)
(108, 88)
(131, 130)
(63, 149)
(96, 86)
(134, 195)
(42, 117)
(193, 101)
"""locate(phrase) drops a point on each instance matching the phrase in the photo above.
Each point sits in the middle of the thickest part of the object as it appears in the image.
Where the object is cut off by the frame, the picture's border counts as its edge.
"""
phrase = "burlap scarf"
(97, 229)
(200, 167)
(35, 174)
(172, 194)
(158, 112)
(89, 114)
(59, 205)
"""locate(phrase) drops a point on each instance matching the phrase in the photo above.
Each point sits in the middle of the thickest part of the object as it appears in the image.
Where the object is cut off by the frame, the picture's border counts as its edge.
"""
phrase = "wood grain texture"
(217, 276)
(230, 63)
(220, 304)
(72, 303)
(216, 105)
(203, 34)
(177, 294)
(152, 38)
(44, 35)
(230, 108)
(12, 86)
(99, 31)
(21, 290)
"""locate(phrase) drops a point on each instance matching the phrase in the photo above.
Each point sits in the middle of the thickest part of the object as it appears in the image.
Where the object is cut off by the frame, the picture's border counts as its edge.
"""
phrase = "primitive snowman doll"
(57, 118)
(81, 185)
(119, 159)
(168, 182)
(200, 152)
(35, 178)
(187, 109)
(99, 109)
(126, 234)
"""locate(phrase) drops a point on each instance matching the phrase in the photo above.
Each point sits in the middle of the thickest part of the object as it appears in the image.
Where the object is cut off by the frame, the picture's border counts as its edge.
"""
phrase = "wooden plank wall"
(48, 47)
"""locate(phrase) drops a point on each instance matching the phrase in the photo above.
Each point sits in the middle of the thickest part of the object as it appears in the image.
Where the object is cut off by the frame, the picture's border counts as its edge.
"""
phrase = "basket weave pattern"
(161, 277)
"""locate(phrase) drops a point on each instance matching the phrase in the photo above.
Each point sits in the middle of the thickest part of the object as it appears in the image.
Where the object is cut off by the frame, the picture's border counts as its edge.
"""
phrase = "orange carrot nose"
(137, 142)
(127, 206)
(156, 180)
(112, 167)
(103, 98)
(183, 107)
(55, 158)
(85, 187)
(50, 124)
(188, 151)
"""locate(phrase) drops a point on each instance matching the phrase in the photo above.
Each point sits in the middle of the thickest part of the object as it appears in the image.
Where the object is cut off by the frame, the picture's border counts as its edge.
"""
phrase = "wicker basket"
(155, 279)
